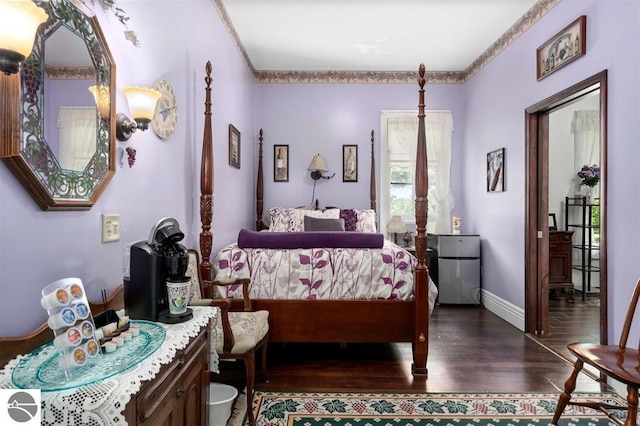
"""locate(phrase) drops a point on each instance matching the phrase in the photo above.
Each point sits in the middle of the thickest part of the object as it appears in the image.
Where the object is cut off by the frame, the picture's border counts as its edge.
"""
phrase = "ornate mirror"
(58, 127)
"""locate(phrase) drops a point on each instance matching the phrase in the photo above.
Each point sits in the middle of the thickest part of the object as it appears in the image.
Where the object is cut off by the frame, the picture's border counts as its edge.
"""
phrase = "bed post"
(421, 274)
(206, 184)
(259, 189)
(372, 184)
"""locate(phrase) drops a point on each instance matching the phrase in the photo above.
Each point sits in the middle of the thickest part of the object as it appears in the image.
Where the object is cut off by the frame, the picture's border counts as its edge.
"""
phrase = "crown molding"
(532, 16)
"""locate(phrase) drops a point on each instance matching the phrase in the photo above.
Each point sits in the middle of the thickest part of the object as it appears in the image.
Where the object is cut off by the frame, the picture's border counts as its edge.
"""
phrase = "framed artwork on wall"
(553, 224)
(563, 48)
(349, 163)
(495, 171)
(234, 147)
(281, 163)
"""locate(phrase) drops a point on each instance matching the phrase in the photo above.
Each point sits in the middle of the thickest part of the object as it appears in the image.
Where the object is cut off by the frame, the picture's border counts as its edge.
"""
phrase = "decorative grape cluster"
(131, 156)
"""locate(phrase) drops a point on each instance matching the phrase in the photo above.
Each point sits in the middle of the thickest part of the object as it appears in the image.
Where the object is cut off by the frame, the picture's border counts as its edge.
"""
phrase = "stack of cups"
(71, 322)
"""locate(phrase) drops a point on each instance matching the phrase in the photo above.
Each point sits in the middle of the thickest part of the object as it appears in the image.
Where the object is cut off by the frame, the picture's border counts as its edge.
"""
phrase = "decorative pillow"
(350, 217)
(319, 224)
(366, 221)
(283, 219)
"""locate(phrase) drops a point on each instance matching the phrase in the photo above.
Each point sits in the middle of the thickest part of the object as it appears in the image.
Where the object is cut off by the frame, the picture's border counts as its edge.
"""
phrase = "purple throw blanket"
(305, 240)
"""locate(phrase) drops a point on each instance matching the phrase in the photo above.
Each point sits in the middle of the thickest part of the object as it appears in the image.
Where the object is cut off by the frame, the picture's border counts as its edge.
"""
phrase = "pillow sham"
(366, 221)
(319, 224)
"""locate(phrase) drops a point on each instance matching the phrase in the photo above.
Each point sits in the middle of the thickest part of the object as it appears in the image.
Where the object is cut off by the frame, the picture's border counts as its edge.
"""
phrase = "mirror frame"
(18, 117)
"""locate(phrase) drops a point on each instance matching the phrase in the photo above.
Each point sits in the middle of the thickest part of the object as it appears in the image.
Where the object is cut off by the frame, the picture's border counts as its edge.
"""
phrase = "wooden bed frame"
(346, 321)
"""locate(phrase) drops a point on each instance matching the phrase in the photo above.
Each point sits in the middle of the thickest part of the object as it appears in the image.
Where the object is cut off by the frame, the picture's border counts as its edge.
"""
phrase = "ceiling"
(381, 36)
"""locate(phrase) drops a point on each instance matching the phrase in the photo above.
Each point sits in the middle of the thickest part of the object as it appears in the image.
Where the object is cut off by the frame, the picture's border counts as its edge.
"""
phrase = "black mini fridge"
(456, 268)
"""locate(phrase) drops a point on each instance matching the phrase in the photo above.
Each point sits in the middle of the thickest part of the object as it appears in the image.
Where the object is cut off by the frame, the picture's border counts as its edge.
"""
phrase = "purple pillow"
(321, 224)
(306, 240)
(350, 217)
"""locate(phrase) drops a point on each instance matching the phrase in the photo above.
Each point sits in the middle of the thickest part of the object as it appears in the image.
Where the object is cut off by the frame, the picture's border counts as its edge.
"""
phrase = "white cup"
(178, 295)
(71, 337)
(65, 318)
(56, 298)
(74, 358)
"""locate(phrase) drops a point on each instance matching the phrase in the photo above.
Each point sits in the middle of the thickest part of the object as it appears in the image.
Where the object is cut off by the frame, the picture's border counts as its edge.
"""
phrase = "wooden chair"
(239, 334)
(615, 361)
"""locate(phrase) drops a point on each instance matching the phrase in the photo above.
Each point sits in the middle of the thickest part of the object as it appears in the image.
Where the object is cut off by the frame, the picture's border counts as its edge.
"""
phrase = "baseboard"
(504, 309)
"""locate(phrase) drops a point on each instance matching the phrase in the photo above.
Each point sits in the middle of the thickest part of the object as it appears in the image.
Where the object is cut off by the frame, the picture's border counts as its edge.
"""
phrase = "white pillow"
(366, 221)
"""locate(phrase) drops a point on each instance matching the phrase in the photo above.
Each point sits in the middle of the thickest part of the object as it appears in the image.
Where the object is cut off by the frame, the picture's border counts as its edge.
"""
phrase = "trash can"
(221, 399)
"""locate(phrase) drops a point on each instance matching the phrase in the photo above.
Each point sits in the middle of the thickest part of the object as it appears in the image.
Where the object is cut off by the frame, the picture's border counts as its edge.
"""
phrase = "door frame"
(537, 209)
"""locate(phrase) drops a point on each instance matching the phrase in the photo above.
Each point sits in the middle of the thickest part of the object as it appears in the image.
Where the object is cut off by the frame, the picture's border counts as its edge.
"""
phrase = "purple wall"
(38, 247)
(496, 99)
(320, 118)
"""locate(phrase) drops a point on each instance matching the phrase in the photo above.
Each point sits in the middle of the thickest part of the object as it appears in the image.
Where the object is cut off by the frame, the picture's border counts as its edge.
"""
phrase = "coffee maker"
(151, 264)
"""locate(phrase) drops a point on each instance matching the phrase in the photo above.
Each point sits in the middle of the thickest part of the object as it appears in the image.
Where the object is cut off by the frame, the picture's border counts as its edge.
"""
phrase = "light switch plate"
(110, 227)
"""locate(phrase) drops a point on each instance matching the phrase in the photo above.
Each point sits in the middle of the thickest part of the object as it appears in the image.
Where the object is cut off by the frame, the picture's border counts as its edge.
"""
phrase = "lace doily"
(102, 403)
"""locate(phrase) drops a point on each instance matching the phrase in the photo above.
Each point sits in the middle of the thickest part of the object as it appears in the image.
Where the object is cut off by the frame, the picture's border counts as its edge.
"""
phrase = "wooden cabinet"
(178, 394)
(560, 262)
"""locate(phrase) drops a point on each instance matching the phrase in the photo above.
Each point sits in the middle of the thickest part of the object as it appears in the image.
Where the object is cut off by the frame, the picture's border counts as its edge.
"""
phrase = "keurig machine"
(151, 264)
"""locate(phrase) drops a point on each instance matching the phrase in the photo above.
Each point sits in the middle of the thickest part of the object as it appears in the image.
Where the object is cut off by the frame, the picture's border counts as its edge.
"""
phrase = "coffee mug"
(178, 295)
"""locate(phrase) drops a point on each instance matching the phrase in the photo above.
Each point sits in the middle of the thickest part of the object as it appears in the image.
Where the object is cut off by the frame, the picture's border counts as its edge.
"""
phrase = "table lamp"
(396, 226)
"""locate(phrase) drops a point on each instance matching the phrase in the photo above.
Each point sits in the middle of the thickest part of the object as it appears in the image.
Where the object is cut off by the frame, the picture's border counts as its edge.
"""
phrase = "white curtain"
(439, 134)
(585, 127)
(402, 134)
(77, 127)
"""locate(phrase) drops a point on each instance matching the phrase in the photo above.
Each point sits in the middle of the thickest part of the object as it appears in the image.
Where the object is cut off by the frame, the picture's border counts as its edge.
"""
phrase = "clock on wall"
(166, 115)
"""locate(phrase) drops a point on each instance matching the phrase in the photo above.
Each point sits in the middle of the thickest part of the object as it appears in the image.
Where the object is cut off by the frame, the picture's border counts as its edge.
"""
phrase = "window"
(398, 154)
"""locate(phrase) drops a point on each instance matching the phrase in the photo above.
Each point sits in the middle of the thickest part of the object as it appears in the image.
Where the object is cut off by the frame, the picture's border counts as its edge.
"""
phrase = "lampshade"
(142, 102)
(102, 98)
(317, 164)
(19, 21)
(396, 225)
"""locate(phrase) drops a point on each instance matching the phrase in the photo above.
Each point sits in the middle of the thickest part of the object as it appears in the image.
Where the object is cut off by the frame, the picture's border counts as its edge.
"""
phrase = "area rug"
(427, 409)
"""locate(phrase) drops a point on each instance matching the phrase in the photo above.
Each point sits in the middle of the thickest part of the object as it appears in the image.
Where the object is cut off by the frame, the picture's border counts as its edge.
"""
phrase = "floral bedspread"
(319, 273)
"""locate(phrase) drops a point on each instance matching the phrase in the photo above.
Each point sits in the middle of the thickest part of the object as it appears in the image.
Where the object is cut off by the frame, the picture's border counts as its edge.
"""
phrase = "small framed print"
(564, 47)
(349, 163)
(234, 147)
(553, 224)
(281, 163)
(495, 171)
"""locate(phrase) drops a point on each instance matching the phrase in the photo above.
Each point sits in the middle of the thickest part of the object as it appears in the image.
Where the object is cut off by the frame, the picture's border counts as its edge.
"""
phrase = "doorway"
(539, 206)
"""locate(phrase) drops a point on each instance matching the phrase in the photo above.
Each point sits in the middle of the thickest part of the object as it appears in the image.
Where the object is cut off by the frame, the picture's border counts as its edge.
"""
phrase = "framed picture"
(495, 171)
(553, 225)
(349, 163)
(281, 163)
(564, 47)
(234, 147)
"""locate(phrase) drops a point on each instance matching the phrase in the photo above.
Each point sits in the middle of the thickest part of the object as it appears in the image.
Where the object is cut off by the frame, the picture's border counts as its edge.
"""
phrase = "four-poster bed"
(393, 319)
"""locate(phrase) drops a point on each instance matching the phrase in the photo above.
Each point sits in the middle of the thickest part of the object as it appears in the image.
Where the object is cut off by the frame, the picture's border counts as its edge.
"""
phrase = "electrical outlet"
(110, 227)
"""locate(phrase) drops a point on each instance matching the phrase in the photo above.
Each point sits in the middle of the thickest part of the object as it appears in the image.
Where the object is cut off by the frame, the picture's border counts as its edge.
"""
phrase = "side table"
(158, 388)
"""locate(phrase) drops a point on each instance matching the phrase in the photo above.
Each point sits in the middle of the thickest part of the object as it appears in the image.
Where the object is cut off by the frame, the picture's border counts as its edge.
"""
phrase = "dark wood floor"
(470, 350)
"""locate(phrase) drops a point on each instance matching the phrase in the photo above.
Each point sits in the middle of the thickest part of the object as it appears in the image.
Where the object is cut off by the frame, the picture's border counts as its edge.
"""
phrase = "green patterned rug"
(437, 409)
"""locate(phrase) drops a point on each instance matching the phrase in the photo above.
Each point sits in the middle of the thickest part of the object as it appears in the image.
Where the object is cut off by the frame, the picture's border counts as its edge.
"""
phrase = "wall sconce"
(142, 103)
(103, 100)
(317, 167)
(19, 21)
(396, 226)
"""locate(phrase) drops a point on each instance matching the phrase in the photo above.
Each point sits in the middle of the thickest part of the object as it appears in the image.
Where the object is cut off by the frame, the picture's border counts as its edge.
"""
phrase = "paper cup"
(178, 295)
(71, 337)
(65, 318)
(56, 298)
